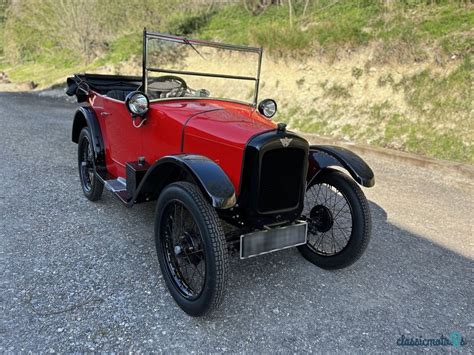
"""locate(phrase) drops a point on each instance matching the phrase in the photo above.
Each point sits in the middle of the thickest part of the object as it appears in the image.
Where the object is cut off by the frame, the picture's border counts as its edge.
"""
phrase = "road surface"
(81, 276)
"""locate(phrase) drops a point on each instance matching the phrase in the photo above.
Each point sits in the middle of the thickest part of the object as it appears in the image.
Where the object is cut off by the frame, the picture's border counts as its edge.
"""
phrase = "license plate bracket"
(268, 241)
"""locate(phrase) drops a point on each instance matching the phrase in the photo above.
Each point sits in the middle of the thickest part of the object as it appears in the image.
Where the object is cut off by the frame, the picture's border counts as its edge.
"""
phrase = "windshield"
(177, 67)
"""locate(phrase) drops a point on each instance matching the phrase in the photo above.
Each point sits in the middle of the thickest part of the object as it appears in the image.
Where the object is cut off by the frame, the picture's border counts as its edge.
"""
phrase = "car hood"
(227, 123)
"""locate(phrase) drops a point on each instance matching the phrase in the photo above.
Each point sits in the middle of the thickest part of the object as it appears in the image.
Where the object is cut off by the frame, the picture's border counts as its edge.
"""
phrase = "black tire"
(323, 221)
(90, 183)
(199, 228)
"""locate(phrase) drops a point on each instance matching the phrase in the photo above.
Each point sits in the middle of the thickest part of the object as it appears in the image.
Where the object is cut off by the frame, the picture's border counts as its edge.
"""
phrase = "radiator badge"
(285, 142)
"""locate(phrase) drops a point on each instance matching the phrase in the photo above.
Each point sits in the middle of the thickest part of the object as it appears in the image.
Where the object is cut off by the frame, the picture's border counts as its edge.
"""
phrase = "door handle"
(104, 114)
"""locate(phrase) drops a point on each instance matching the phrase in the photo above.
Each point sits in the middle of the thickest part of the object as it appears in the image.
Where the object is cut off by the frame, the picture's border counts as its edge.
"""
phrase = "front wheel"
(191, 248)
(339, 222)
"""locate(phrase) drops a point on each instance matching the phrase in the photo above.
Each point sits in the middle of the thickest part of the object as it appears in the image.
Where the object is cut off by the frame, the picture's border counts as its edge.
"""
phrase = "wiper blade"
(185, 40)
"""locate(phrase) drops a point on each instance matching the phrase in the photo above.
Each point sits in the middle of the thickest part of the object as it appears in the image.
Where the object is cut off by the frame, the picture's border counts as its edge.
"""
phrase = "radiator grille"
(281, 179)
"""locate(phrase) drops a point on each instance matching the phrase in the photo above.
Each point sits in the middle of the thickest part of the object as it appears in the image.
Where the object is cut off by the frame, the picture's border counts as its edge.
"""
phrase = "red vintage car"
(222, 172)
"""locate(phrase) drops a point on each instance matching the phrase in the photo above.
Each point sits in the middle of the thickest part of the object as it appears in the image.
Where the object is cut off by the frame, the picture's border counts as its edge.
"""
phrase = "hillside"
(391, 73)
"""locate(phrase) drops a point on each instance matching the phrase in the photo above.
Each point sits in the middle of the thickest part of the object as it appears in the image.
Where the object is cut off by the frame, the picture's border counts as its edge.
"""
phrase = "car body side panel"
(163, 131)
(125, 142)
(160, 136)
(218, 130)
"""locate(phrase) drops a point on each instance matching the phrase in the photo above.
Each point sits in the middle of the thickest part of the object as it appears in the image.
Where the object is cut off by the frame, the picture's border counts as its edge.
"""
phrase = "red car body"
(215, 129)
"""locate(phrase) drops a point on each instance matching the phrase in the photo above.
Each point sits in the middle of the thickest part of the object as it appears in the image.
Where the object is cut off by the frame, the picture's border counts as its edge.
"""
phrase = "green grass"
(107, 32)
(348, 23)
(345, 23)
(123, 48)
(423, 138)
(437, 120)
(335, 90)
(386, 129)
(342, 23)
(43, 74)
(438, 97)
(3, 5)
(357, 72)
(447, 20)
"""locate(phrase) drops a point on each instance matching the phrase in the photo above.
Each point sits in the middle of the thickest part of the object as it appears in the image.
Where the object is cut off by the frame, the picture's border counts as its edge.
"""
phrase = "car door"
(123, 141)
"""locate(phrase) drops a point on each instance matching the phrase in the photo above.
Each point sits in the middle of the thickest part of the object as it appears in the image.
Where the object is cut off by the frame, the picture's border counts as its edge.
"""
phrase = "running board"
(118, 187)
(123, 188)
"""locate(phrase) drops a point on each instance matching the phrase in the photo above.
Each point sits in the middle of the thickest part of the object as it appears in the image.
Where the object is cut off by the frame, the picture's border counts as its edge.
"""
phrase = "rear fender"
(325, 156)
(211, 179)
(85, 116)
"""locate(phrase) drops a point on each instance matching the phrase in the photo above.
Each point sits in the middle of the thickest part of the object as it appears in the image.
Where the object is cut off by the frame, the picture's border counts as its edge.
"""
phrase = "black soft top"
(102, 84)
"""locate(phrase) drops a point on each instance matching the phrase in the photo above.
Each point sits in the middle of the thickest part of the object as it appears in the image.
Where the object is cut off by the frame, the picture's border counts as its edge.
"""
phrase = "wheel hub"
(321, 218)
(186, 247)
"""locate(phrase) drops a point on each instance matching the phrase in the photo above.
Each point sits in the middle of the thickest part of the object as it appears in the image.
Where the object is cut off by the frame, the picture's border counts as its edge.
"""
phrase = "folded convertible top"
(101, 83)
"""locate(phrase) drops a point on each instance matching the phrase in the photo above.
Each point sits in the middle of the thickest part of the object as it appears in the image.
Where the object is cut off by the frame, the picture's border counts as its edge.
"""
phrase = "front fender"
(211, 179)
(324, 156)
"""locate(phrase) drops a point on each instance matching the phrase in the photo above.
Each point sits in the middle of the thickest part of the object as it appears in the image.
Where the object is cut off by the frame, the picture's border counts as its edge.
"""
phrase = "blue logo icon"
(456, 339)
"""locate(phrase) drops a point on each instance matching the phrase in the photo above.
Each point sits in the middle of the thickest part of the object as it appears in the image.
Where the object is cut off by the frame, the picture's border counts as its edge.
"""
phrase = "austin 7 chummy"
(222, 172)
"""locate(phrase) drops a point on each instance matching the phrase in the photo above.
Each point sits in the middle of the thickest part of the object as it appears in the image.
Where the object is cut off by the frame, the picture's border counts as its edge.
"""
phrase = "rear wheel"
(91, 185)
(339, 222)
(191, 248)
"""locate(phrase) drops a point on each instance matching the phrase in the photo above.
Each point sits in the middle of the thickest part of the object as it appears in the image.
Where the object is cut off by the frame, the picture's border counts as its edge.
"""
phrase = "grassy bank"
(390, 73)
(424, 111)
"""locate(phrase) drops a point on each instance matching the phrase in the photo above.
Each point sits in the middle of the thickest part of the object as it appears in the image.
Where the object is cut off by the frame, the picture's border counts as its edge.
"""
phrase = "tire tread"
(97, 187)
(217, 241)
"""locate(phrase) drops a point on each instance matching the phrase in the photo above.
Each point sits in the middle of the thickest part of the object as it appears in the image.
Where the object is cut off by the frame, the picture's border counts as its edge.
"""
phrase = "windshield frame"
(183, 40)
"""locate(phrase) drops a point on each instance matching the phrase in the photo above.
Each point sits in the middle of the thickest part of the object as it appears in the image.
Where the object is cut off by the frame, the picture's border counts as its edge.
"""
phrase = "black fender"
(85, 116)
(325, 156)
(211, 179)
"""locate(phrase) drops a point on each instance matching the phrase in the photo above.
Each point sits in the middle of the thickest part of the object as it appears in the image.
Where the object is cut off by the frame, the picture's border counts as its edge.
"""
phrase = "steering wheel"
(166, 84)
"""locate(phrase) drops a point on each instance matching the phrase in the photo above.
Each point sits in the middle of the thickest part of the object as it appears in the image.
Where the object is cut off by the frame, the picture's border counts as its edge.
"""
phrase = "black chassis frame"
(183, 40)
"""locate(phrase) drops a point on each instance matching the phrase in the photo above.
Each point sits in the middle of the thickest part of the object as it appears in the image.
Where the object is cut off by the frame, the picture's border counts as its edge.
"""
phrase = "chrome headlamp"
(137, 103)
(267, 107)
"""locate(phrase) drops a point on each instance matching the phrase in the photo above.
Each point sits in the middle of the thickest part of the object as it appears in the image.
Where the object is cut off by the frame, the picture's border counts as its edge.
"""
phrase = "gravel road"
(81, 276)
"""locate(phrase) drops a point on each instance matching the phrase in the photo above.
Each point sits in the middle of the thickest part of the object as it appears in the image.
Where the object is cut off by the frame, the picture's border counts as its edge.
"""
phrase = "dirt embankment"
(417, 106)
(7, 85)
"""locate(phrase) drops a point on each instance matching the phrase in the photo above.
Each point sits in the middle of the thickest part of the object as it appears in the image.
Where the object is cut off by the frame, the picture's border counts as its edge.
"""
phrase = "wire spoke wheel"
(183, 247)
(191, 248)
(329, 218)
(86, 162)
(339, 222)
(90, 183)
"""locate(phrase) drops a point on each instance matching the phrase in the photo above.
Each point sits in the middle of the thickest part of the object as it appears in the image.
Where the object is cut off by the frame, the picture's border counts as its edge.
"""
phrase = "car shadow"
(404, 284)
(401, 278)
